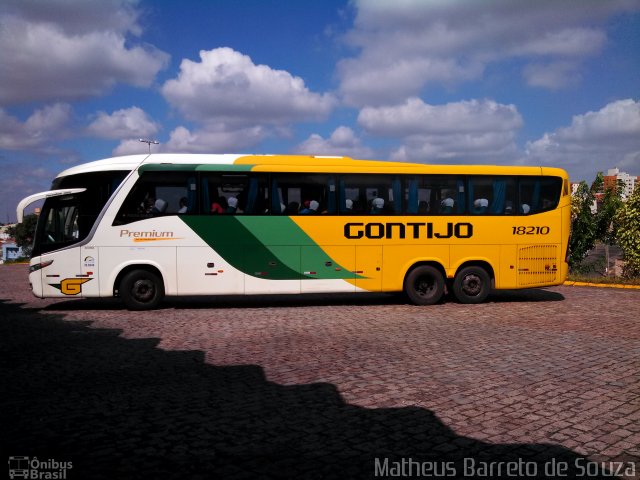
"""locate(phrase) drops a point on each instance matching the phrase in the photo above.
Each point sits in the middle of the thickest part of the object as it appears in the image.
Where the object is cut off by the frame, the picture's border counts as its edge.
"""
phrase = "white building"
(614, 174)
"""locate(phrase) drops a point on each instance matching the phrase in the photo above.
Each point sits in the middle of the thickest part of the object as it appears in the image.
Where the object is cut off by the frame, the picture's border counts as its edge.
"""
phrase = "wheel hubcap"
(143, 290)
(425, 286)
(472, 285)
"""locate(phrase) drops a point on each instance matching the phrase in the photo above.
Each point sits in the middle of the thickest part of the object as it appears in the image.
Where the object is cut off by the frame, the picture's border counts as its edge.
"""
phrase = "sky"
(507, 82)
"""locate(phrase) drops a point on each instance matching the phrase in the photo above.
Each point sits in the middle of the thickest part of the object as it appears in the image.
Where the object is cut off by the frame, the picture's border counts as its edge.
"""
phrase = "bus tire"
(424, 285)
(472, 285)
(141, 290)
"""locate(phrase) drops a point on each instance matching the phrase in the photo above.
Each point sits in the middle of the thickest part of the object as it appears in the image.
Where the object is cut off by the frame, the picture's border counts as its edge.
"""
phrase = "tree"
(590, 225)
(24, 233)
(628, 234)
(583, 226)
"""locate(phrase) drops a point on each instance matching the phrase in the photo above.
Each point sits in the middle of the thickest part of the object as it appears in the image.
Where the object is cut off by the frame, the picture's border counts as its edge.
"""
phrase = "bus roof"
(295, 163)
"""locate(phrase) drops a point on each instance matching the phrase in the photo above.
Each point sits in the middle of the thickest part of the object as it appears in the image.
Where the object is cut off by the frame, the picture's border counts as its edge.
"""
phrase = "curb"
(601, 285)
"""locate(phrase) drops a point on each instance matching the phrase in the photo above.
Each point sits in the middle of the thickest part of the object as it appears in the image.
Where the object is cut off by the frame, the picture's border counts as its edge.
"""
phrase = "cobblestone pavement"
(323, 386)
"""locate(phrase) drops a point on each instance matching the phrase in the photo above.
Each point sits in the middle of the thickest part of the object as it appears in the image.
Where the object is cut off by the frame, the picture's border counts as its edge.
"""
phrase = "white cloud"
(568, 42)
(456, 132)
(594, 141)
(133, 146)
(78, 16)
(42, 127)
(416, 117)
(123, 124)
(71, 49)
(553, 76)
(343, 142)
(213, 139)
(490, 148)
(226, 86)
(407, 44)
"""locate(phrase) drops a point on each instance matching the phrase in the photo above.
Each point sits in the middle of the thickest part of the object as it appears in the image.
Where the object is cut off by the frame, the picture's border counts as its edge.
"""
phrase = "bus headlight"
(39, 266)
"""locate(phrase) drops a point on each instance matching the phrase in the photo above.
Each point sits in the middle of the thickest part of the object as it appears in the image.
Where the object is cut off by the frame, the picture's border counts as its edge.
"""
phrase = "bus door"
(60, 228)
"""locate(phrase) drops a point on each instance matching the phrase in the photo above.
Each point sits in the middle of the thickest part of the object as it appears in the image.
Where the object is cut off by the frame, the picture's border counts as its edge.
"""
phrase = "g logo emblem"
(71, 286)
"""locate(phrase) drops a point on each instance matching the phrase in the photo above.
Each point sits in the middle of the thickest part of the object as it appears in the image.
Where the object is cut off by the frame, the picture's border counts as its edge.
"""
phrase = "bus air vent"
(537, 265)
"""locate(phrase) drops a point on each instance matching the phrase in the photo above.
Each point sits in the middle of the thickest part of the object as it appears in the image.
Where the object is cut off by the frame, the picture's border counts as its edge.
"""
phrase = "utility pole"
(149, 143)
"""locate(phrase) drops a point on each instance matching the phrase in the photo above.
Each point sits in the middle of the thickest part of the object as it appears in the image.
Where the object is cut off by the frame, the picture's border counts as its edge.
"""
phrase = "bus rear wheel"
(424, 285)
(472, 285)
(141, 290)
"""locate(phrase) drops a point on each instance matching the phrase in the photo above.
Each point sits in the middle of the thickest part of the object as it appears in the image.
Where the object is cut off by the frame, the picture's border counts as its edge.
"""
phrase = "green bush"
(628, 234)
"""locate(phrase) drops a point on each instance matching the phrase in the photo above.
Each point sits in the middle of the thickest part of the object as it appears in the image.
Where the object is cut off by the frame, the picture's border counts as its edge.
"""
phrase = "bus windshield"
(68, 219)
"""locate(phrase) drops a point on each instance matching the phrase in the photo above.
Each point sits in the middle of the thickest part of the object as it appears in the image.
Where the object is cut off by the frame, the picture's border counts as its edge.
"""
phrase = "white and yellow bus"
(142, 227)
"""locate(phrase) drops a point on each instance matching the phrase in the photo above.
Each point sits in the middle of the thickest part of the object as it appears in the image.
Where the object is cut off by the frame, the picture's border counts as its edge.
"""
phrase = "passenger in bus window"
(377, 205)
(219, 206)
(159, 207)
(524, 208)
(508, 208)
(148, 203)
(183, 206)
(480, 205)
(312, 209)
(446, 205)
(232, 206)
(348, 205)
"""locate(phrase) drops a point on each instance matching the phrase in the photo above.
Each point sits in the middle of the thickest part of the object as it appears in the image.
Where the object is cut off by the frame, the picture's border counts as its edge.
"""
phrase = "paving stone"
(316, 386)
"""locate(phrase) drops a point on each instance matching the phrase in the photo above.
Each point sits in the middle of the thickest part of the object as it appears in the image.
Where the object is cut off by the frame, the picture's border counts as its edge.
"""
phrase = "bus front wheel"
(472, 285)
(141, 290)
(424, 285)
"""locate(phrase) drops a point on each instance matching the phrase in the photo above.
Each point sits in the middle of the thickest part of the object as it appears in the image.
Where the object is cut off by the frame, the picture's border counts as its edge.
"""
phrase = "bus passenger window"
(156, 194)
(481, 194)
(539, 194)
(233, 194)
(490, 195)
(434, 195)
(370, 194)
(303, 194)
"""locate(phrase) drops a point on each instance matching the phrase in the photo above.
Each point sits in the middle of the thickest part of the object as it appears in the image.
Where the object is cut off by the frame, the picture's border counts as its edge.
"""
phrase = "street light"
(150, 142)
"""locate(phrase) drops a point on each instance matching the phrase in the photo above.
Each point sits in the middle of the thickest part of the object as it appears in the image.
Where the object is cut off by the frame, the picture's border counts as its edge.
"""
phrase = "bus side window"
(303, 194)
(434, 195)
(157, 194)
(416, 196)
(479, 194)
(489, 195)
(539, 194)
(233, 194)
(370, 194)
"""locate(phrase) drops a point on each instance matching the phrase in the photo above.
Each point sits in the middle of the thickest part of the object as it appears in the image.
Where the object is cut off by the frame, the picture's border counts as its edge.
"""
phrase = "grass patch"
(603, 280)
(16, 261)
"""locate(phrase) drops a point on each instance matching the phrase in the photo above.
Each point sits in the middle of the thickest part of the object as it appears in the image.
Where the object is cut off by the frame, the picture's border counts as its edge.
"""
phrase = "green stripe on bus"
(263, 247)
(286, 234)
